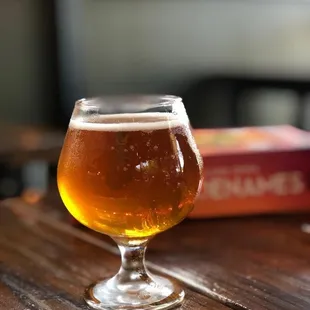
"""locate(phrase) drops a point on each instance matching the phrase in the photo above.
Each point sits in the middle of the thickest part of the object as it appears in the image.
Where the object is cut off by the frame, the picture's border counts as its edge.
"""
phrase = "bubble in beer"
(140, 193)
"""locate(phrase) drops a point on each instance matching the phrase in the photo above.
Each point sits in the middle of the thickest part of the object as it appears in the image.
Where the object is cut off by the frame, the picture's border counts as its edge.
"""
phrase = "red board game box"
(253, 170)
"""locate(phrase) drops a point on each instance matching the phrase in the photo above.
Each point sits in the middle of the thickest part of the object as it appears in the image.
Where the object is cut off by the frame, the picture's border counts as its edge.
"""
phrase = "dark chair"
(220, 101)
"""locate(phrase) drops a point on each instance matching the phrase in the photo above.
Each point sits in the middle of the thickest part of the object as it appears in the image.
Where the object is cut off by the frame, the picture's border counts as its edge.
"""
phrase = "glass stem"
(133, 263)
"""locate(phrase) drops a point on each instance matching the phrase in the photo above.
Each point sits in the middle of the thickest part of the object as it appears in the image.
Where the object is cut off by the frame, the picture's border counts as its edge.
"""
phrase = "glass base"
(152, 292)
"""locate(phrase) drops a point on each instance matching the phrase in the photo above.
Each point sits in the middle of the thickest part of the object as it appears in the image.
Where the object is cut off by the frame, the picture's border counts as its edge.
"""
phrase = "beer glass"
(130, 168)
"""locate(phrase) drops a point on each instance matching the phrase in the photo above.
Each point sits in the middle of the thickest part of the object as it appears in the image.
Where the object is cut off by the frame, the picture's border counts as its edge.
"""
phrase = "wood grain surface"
(245, 263)
(257, 263)
(46, 264)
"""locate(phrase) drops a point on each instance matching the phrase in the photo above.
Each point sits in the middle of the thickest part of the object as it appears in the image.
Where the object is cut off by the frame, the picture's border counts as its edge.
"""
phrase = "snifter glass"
(130, 168)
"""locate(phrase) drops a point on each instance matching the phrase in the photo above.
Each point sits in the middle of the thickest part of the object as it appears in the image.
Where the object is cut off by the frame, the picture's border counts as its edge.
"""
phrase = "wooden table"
(27, 154)
(21, 143)
(252, 263)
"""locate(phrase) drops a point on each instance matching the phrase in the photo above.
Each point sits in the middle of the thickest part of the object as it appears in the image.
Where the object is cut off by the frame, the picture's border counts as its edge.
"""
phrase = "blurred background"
(234, 62)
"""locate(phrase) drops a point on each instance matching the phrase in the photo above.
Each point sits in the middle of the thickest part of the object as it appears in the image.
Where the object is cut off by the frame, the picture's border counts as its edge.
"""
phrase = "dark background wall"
(108, 46)
(27, 61)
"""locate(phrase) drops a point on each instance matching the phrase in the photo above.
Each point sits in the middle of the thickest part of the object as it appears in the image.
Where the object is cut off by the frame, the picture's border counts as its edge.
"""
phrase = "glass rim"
(135, 99)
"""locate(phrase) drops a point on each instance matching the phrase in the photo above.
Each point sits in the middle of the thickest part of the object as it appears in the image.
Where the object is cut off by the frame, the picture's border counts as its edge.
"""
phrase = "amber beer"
(130, 175)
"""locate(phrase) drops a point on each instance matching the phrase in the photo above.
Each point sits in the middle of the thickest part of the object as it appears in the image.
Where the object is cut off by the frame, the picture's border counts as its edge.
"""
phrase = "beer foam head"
(127, 122)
